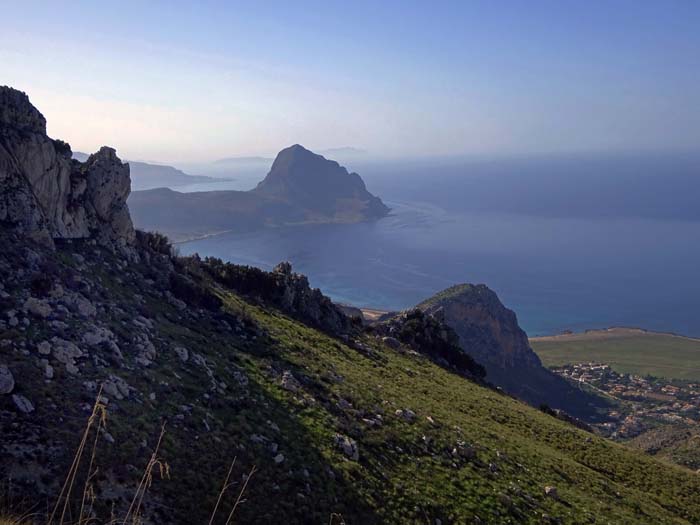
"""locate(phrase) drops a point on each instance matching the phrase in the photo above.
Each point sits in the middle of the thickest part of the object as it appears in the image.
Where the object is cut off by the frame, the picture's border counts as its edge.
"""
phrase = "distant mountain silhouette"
(319, 185)
(301, 187)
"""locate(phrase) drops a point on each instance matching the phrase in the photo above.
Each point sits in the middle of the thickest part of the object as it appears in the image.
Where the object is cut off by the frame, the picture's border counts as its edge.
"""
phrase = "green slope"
(405, 474)
(470, 452)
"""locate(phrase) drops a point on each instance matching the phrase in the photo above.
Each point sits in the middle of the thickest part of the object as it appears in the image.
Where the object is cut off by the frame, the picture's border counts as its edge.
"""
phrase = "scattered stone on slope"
(348, 446)
(46, 368)
(65, 352)
(146, 349)
(182, 353)
(7, 381)
(115, 387)
(23, 404)
(551, 492)
(44, 348)
(391, 342)
(96, 335)
(406, 414)
(37, 307)
(289, 382)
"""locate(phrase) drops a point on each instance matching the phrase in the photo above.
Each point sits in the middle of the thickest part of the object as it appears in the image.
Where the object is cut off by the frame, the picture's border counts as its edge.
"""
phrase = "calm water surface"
(556, 273)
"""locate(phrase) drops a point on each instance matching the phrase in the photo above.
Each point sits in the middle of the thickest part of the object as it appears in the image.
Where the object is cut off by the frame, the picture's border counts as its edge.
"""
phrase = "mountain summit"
(315, 183)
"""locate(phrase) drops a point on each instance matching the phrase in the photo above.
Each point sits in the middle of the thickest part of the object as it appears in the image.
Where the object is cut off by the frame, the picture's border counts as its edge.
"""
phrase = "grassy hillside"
(626, 351)
(677, 443)
(274, 393)
(407, 472)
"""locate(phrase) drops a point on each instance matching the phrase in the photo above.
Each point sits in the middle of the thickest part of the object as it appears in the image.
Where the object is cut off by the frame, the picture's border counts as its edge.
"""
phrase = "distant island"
(146, 175)
(301, 187)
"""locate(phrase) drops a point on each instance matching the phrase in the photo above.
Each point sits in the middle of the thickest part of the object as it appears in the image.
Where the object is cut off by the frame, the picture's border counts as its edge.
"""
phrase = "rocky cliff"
(47, 194)
(489, 332)
(485, 327)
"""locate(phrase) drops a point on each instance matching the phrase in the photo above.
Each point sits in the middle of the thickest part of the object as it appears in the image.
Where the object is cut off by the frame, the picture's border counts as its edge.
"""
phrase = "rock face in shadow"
(48, 195)
(489, 332)
(321, 186)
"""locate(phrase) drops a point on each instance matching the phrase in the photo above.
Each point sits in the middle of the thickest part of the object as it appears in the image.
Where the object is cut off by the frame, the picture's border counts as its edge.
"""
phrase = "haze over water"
(548, 235)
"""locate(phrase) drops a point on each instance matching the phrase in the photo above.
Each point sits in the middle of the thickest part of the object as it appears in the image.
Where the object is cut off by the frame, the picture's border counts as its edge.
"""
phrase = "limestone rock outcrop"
(489, 332)
(48, 195)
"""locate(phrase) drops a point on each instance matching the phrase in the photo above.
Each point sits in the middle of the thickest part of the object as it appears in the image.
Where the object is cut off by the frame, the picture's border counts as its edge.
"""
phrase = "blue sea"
(630, 256)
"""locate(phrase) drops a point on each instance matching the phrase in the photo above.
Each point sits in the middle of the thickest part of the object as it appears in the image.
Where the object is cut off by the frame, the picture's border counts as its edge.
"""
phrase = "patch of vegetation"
(62, 148)
(677, 443)
(155, 241)
(458, 290)
(433, 338)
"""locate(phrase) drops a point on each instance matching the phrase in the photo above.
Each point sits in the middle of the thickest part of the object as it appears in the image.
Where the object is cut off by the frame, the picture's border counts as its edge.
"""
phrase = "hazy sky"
(189, 81)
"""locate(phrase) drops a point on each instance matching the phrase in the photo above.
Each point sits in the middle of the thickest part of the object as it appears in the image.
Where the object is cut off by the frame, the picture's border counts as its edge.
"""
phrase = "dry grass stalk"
(240, 499)
(11, 519)
(334, 515)
(99, 414)
(88, 489)
(224, 487)
(146, 480)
